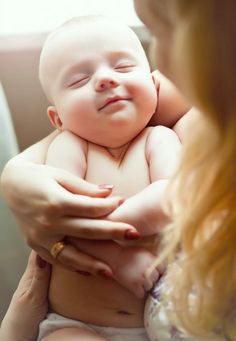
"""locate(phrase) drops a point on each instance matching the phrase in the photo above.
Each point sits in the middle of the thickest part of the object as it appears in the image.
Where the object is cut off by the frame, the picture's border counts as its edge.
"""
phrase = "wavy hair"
(200, 243)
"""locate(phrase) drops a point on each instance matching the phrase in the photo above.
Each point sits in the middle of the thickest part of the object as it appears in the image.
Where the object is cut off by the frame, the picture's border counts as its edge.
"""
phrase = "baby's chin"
(113, 136)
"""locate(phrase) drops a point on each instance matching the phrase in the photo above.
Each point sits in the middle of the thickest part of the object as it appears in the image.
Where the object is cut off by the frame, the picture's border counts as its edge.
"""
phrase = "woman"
(196, 49)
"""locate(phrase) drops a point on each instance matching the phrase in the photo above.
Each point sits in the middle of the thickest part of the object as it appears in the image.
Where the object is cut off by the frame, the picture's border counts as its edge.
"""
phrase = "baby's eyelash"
(78, 82)
(124, 68)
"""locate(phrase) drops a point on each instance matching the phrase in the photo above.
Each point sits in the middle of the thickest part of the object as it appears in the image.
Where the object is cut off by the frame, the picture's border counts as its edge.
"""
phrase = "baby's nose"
(106, 83)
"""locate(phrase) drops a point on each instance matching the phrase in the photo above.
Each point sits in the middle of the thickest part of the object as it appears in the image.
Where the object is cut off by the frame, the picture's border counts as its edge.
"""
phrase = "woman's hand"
(29, 303)
(50, 203)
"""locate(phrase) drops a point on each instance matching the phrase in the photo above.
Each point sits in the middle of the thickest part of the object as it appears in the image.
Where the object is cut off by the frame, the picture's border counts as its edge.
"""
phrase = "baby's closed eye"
(78, 81)
(124, 66)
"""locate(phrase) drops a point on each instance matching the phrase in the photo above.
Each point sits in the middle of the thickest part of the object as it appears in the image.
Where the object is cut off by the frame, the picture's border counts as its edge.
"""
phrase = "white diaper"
(54, 322)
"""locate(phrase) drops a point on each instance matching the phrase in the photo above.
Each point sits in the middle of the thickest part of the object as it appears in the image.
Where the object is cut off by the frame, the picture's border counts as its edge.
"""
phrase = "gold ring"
(57, 248)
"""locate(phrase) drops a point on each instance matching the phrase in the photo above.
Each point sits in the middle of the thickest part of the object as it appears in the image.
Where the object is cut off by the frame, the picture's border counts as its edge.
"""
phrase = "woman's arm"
(29, 303)
(184, 124)
(171, 104)
(173, 110)
(49, 203)
(37, 152)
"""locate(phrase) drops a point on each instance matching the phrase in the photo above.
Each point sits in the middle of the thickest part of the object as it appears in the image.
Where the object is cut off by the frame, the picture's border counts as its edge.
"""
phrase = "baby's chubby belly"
(94, 299)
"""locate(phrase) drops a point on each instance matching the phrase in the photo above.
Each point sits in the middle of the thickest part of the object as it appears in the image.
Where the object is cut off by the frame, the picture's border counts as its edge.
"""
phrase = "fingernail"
(131, 234)
(84, 273)
(105, 273)
(41, 263)
(105, 186)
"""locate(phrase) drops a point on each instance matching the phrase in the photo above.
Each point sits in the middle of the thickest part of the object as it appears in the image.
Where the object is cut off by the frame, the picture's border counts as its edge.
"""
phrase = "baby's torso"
(95, 299)
(129, 173)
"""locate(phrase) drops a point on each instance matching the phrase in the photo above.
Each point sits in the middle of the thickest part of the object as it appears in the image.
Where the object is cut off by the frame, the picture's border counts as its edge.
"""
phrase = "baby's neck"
(119, 152)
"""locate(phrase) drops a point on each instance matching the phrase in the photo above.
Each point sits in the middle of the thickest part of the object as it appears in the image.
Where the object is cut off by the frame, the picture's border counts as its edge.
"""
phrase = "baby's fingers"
(151, 280)
(139, 291)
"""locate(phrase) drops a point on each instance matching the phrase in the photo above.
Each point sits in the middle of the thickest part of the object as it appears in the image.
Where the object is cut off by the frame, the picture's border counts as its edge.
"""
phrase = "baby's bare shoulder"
(162, 141)
(161, 134)
(68, 136)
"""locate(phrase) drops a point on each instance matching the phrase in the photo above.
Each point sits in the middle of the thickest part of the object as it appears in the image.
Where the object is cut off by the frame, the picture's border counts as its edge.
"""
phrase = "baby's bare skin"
(103, 97)
(99, 300)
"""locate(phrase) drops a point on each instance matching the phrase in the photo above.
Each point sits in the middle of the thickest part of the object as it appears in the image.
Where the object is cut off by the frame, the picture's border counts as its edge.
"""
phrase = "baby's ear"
(54, 118)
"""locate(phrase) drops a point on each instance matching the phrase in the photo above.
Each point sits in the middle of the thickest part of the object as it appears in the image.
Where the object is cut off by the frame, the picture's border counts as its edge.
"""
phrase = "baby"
(95, 73)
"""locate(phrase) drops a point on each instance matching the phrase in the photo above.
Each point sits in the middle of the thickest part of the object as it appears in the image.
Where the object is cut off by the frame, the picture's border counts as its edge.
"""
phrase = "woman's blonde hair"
(200, 244)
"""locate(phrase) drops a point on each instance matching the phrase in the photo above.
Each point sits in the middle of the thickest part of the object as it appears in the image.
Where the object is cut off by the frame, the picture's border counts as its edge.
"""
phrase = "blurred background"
(24, 26)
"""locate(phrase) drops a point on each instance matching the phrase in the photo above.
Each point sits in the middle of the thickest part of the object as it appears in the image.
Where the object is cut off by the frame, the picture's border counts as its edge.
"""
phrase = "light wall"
(19, 77)
(34, 16)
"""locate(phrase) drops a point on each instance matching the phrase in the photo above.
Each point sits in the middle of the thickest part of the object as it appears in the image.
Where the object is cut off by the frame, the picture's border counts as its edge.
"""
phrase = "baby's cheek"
(149, 101)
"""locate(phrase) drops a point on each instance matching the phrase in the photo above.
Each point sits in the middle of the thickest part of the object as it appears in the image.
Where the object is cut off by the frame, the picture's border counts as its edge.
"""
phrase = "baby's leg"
(73, 334)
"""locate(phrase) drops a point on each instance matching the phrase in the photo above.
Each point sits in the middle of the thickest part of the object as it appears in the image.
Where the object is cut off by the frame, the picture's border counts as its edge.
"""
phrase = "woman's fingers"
(85, 206)
(81, 198)
(75, 260)
(45, 235)
(69, 255)
(55, 204)
(76, 185)
(72, 258)
(96, 229)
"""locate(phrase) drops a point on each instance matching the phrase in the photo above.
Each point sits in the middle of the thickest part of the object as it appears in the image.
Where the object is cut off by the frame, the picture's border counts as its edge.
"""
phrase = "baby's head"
(95, 73)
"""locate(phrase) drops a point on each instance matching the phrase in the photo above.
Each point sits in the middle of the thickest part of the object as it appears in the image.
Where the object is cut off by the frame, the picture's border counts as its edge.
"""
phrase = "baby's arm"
(128, 264)
(144, 210)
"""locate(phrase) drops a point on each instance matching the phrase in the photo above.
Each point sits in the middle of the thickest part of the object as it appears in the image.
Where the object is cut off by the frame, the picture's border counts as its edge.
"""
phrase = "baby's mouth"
(112, 100)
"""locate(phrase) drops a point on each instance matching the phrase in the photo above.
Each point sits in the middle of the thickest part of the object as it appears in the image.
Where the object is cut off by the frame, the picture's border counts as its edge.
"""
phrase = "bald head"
(59, 42)
(76, 34)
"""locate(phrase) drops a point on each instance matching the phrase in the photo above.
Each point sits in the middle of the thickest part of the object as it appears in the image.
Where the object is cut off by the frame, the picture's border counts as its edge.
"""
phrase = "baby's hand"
(131, 270)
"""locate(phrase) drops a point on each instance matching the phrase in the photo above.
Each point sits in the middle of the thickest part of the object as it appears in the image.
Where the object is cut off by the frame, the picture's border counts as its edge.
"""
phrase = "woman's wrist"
(29, 304)
(10, 331)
